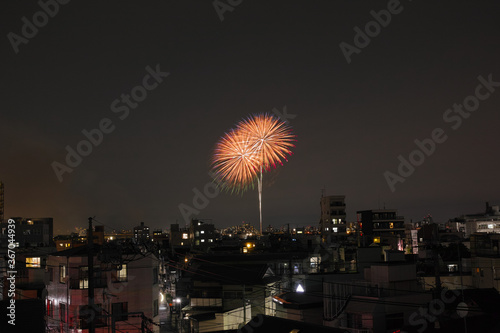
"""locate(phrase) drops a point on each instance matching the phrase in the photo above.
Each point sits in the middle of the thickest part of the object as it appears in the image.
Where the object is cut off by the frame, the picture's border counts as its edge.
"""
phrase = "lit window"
(203, 241)
(62, 273)
(84, 277)
(30, 222)
(210, 240)
(184, 236)
(120, 275)
(33, 262)
(335, 229)
(391, 225)
(326, 229)
(202, 232)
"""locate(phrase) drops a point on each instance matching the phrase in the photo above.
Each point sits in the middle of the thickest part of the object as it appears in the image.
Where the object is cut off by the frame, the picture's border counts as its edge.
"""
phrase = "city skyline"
(360, 101)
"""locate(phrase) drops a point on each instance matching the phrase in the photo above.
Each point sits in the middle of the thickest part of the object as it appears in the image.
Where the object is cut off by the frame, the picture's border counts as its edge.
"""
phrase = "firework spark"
(270, 137)
(236, 161)
(241, 156)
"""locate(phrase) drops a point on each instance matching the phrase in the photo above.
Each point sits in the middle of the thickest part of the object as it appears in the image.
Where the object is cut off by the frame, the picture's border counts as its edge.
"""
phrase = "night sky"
(352, 120)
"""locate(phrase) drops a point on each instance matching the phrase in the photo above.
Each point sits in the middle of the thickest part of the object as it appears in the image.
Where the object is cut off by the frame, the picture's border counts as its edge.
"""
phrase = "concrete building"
(369, 304)
(179, 237)
(333, 217)
(202, 234)
(381, 226)
(486, 222)
(223, 297)
(125, 287)
(141, 233)
(29, 231)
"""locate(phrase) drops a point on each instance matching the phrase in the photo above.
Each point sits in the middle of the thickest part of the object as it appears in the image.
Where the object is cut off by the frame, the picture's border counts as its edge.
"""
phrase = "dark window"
(233, 294)
(62, 312)
(86, 315)
(394, 321)
(354, 320)
(120, 310)
(155, 275)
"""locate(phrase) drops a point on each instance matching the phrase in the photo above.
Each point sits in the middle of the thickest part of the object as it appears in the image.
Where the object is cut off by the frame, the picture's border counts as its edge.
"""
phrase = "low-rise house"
(126, 293)
(225, 297)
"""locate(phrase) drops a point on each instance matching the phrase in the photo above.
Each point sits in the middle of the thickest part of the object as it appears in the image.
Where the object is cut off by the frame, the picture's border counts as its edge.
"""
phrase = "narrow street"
(167, 325)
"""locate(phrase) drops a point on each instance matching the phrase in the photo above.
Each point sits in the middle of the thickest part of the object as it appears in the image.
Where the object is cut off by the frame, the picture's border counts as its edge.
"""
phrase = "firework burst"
(271, 138)
(236, 162)
(241, 156)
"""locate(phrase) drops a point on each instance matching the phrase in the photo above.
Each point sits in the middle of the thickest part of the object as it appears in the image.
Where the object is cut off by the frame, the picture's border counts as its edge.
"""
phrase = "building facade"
(333, 217)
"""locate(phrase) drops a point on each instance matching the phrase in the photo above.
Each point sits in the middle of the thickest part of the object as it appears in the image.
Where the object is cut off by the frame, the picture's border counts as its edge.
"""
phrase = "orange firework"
(235, 161)
(257, 143)
(271, 137)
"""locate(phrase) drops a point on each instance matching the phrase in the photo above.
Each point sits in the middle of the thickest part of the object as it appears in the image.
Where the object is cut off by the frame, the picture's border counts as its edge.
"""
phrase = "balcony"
(392, 218)
(84, 283)
(206, 302)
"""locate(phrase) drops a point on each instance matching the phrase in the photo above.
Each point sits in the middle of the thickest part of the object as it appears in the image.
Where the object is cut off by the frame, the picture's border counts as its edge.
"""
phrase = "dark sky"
(352, 120)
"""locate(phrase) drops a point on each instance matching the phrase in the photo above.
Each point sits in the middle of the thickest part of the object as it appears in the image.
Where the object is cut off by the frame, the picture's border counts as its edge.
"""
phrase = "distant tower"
(1, 202)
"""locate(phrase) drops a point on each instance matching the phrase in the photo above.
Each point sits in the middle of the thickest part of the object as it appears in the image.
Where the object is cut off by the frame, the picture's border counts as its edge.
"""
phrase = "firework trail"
(257, 144)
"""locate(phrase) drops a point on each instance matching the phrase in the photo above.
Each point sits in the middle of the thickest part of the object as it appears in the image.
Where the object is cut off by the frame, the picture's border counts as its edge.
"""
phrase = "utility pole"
(461, 281)
(1, 201)
(244, 308)
(435, 257)
(90, 260)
